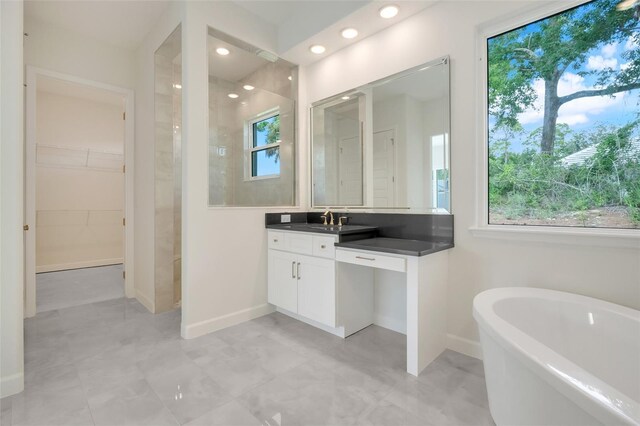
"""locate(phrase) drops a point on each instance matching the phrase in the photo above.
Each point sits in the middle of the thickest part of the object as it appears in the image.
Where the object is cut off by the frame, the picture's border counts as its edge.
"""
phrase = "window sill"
(617, 238)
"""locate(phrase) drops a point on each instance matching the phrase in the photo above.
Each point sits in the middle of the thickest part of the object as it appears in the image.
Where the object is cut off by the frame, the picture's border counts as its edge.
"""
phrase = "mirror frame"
(443, 60)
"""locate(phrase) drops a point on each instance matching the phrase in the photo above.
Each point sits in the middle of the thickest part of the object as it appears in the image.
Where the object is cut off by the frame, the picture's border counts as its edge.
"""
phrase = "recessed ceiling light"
(388, 11)
(248, 87)
(346, 98)
(290, 78)
(177, 86)
(318, 49)
(349, 33)
(223, 51)
(232, 95)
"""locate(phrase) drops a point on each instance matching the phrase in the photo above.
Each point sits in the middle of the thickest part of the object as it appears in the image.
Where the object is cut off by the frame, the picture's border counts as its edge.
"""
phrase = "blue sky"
(586, 113)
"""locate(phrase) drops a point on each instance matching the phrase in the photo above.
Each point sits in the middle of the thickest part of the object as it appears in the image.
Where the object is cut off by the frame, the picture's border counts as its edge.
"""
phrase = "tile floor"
(75, 287)
(113, 363)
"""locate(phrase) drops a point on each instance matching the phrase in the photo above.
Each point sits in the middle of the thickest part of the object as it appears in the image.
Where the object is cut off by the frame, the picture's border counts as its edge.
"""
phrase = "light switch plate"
(285, 218)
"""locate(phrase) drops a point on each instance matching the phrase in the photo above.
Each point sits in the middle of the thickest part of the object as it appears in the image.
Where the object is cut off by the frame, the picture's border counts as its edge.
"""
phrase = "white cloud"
(573, 119)
(598, 63)
(631, 43)
(625, 66)
(578, 111)
(609, 50)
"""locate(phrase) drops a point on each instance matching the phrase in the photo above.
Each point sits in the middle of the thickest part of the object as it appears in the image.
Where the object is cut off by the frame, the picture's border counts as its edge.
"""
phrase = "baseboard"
(78, 265)
(145, 301)
(464, 346)
(11, 385)
(390, 323)
(214, 324)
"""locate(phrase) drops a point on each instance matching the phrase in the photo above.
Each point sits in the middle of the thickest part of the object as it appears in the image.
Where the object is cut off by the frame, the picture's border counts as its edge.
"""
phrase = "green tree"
(546, 50)
(272, 127)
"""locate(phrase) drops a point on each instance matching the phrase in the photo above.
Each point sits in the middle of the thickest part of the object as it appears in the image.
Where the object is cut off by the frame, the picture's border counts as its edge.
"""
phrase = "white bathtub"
(554, 358)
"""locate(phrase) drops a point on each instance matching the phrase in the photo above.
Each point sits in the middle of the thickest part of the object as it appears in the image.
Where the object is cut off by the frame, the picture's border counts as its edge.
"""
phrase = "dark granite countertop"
(397, 246)
(323, 229)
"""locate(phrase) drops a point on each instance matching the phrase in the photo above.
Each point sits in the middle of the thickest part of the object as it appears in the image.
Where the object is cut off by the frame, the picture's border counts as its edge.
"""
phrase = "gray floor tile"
(5, 411)
(230, 414)
(62, 289)
(39, 407)
(188, 392)
(132, 404)
(114, 363)
(309, 395)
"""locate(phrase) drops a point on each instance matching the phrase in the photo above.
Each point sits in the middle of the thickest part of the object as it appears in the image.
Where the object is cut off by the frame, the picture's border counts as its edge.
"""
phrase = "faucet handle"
(346, 220)
(324, 219)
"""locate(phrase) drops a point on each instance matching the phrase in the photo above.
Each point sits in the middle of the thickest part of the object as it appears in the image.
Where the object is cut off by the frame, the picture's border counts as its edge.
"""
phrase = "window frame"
(250, 148)
(608, 237)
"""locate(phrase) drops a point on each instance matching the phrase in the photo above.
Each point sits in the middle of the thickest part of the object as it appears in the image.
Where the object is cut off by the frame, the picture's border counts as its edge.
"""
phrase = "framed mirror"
(385, 145)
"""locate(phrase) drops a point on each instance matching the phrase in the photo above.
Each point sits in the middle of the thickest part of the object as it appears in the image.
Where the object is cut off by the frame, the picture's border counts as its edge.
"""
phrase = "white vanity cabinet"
(302, 277)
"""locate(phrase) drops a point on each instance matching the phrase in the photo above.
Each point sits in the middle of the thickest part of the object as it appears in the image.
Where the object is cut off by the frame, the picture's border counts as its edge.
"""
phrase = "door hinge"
(124, 115)
(393, 178)
(123, 222)
(393, 141)
(25, 228)
(124, 275)
(123, 168)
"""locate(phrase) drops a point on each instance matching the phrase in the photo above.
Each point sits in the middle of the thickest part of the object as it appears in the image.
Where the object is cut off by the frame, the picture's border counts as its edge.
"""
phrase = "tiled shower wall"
(228, 185)
(168, 183)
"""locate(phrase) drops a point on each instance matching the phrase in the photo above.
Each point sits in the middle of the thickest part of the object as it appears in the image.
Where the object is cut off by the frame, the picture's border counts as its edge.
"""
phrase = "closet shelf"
(46, 218)
(80, 158)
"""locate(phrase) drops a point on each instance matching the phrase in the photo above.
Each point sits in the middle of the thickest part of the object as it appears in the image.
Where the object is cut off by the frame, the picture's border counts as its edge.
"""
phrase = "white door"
(350, 171)
(282, 280)
(317, 290)
(384, 169)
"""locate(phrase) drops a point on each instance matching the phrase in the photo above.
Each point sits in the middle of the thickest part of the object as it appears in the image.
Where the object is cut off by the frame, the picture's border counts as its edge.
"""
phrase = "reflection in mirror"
(252, 97)
(337, 153)
(399, 158)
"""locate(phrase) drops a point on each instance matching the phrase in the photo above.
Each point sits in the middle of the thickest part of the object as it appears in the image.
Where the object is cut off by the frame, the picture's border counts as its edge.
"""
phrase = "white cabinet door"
(317, 289)
(282, 280)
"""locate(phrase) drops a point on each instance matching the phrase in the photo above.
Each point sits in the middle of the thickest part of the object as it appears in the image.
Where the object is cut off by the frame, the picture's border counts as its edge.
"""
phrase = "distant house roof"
(580, 157)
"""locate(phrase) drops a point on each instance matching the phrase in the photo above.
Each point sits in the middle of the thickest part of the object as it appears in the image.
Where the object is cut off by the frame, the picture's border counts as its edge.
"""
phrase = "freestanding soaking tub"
(554, 358)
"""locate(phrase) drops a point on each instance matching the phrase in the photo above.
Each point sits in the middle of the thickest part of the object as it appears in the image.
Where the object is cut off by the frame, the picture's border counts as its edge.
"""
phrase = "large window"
(564, 119)
(265, 147)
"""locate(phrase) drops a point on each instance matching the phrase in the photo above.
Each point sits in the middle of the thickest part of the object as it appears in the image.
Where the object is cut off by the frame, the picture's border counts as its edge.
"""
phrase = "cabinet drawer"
(275, 240)
(323, 247)
(298, 243)
(372, 259)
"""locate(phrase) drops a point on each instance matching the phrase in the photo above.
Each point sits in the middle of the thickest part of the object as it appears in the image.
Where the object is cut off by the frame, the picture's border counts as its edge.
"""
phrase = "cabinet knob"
(323, 246)
(275, 240)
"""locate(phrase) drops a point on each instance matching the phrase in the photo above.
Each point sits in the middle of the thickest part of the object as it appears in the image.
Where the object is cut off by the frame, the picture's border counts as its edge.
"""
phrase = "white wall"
(11, 181)
(224, 249)
(58, 49)
(476, 264)
(144, 206)
(79, 209)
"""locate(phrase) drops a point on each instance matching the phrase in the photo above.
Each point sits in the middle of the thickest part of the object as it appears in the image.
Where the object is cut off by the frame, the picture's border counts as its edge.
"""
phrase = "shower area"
(252, 96)
(168, 174)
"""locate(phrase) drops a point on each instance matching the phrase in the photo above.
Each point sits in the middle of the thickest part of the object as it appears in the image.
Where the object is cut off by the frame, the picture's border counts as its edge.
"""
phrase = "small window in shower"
(264, 146)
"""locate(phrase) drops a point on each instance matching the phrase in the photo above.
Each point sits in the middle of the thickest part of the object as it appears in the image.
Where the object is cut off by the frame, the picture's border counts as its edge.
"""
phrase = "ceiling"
(120, 23)
(296, 24)
(81, 91)
(235, 66)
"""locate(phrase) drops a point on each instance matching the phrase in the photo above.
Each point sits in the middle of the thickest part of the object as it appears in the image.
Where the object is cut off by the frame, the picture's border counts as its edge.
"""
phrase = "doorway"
(78, 192)
(384, 168)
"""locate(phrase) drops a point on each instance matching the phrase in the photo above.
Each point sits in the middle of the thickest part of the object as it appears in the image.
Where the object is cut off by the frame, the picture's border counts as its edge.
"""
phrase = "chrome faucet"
(324, 217)
(340, 220)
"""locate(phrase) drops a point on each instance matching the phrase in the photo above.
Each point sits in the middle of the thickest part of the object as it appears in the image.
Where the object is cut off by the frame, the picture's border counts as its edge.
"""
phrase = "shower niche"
(168, 174)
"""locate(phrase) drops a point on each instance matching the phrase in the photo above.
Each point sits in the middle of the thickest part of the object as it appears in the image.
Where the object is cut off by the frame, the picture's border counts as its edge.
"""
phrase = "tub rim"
(558, 371)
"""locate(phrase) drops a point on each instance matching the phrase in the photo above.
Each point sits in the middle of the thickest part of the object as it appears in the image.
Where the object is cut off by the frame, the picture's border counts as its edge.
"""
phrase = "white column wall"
(11, 201)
